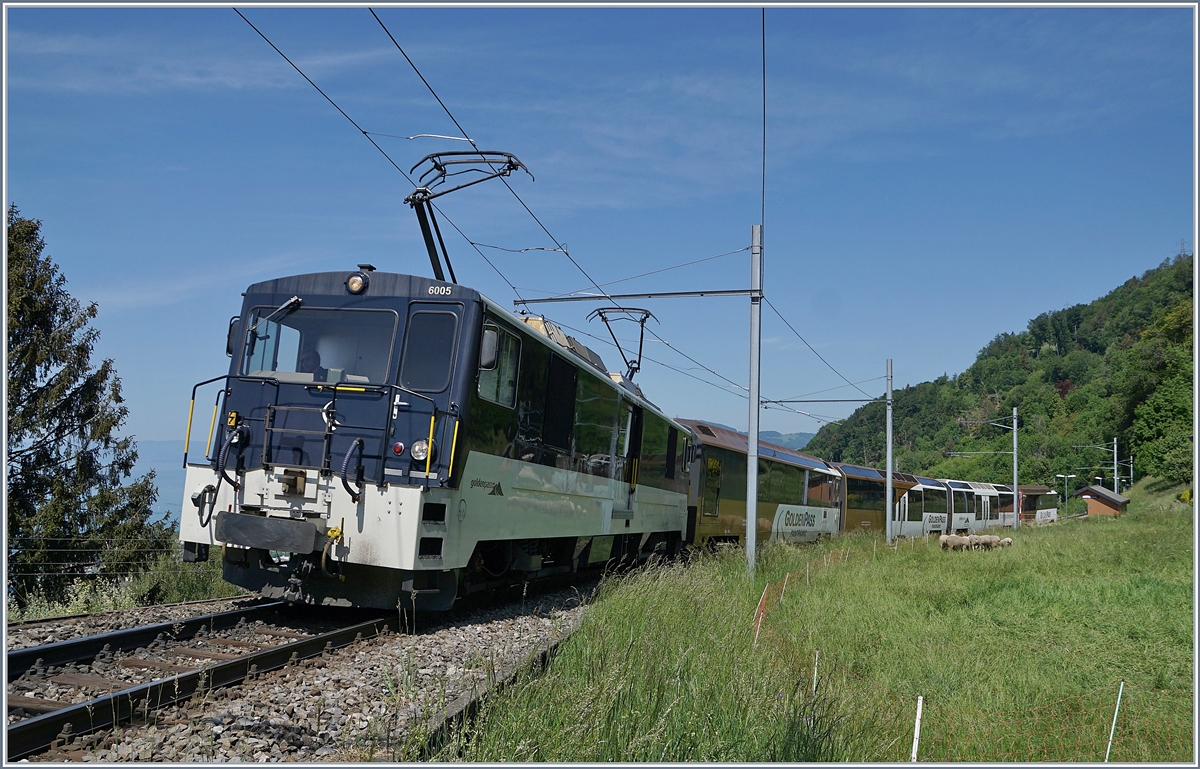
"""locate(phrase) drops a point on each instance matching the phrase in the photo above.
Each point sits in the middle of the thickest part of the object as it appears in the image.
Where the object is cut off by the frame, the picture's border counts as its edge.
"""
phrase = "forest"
(1119, 367)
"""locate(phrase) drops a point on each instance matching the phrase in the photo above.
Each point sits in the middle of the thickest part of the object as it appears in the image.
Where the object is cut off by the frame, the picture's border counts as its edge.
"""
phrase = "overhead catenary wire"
(814, 352)
(367, 136)
(454, 120)
(664, 269)
(559, 246)
(739, 392)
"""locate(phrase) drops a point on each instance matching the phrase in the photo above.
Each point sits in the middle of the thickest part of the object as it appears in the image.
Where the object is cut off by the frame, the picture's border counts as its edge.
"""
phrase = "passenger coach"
(799, 496)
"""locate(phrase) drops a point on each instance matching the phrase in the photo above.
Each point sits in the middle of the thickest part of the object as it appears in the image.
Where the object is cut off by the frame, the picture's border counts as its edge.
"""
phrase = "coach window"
(712, 485)
(498, 384)
(914, 504)
(560, 404)
(822, 490)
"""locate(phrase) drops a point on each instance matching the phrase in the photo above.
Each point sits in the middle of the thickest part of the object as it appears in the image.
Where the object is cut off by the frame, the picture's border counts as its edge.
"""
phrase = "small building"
(1102, 501)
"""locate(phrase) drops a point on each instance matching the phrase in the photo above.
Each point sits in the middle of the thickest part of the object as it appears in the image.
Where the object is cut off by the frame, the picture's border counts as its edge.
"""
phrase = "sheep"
(1006, 542)
(988, 541)
(973, 541)
(944, 541)
(955, 542)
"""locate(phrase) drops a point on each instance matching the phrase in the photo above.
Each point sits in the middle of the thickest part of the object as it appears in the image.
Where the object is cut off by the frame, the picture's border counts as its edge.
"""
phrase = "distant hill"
(795, 441)
(1120, 366)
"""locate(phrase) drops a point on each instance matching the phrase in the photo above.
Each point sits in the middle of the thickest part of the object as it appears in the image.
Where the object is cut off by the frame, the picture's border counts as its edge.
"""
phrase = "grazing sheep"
(988, 541)
(944, 541)
(1006, 542)
(957, 543)
(973, 541)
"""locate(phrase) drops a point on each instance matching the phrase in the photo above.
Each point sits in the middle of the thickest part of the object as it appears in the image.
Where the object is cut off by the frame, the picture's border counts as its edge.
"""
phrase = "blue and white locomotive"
(389, 439)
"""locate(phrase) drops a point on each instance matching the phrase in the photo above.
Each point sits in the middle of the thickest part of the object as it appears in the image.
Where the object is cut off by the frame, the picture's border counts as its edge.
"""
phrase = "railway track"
(62, 691)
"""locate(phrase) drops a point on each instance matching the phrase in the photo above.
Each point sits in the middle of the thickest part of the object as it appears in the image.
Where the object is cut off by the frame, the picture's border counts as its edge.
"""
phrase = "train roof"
(714, 435)
(930, 482)
(901, 480)
(381, 284)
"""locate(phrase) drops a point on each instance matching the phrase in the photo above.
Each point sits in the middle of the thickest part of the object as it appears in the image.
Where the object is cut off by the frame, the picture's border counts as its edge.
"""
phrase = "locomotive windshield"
(320, 345)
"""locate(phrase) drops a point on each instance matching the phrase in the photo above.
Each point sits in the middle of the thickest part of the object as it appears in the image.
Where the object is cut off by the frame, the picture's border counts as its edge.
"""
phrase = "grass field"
(1018, 654)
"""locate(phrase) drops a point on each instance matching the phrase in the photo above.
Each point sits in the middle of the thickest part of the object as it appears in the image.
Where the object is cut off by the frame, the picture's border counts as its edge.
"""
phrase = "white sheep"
(1006, 542)
(956, 542)
(988, 541)
(944, 541)
(973, 541)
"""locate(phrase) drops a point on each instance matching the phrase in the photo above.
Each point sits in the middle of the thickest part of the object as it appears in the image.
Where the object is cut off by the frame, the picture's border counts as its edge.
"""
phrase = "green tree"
(68, 513)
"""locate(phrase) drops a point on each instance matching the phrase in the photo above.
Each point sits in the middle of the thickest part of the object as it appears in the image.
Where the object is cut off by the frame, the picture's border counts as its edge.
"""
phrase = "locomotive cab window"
(498, 378)
(319, 345)
(429, 343)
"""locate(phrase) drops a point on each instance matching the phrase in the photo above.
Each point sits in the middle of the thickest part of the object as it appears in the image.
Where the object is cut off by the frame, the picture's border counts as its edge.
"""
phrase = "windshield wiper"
(289, 305)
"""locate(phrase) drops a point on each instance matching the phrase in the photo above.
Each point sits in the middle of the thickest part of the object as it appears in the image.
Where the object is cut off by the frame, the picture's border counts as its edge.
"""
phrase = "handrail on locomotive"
(329, 411)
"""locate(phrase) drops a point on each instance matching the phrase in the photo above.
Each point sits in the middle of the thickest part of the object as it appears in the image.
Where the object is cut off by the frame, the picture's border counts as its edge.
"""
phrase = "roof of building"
(1103, 493)
(1033, 490)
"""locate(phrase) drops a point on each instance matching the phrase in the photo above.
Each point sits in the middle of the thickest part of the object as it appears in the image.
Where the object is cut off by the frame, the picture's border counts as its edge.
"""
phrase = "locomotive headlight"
(420, 450)
(357, 283)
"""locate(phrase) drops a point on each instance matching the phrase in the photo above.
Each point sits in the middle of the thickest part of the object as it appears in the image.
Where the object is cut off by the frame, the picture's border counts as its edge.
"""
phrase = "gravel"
(357, 703)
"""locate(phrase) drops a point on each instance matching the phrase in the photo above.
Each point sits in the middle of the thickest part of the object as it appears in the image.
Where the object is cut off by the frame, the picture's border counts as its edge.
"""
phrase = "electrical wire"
(449, 114)
(814, 352)
(367, 135)
(831, 389)
(664, 269)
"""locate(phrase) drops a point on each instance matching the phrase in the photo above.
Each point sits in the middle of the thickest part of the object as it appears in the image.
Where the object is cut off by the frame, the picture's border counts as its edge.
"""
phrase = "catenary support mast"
(890, 528)
(756, 279)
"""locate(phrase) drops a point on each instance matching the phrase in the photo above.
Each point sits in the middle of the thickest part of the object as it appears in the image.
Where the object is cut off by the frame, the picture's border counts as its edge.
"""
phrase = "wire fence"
(1122, 722)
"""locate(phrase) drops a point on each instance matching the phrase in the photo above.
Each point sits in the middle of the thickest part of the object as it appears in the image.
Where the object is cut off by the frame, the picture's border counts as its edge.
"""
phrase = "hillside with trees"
(1120, 367)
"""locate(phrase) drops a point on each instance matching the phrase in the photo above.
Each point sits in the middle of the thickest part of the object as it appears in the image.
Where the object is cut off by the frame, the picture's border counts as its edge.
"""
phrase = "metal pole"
(756, 276)
(1016, 491)
(1116, 484)
(891, 530)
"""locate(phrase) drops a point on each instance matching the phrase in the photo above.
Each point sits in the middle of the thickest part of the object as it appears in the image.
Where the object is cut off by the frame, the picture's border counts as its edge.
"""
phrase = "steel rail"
(36, 734)
(23, 623)
(86, 648)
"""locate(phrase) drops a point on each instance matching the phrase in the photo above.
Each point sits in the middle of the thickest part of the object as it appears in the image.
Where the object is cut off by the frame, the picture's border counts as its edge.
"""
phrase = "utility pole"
(890, 528)
(1066, 492)
(756, 281)
(1116, 476)
(1016, 491)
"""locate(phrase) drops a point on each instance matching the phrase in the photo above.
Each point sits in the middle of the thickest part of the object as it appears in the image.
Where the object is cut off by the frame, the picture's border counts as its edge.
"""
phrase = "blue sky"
(934, 176)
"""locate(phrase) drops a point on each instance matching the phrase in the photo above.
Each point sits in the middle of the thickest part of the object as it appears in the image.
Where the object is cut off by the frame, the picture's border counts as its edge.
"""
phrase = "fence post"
(917, 728)
(816, 660)
(807, 581)
(1113, 730)
(759, 613)
(784, 589)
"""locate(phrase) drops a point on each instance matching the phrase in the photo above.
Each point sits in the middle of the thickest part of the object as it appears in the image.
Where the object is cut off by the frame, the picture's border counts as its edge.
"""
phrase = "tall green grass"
(167, 580)
(1017, 652)
(663, 669)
